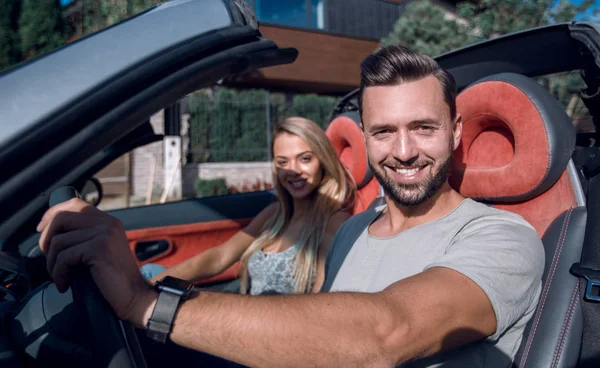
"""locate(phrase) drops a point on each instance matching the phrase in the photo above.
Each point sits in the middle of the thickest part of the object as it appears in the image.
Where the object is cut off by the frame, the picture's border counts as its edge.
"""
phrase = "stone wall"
(236, 174)
(148, 160)
(148, 168)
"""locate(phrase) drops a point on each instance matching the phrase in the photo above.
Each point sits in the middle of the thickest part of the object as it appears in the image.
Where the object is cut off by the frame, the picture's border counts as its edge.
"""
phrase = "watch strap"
(160, 323)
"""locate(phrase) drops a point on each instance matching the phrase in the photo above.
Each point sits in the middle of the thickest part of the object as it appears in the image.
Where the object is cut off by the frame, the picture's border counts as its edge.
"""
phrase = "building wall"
(147, 168)
(144, 158)
(365, 19)
(326, 63)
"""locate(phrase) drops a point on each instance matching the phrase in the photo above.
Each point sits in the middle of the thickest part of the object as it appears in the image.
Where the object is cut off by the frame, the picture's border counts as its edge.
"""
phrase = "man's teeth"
(408, 172)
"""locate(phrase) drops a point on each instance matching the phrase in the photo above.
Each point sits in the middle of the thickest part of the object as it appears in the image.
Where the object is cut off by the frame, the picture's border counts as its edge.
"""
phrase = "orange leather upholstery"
(347, 139)
(510, 155)
(190, 239)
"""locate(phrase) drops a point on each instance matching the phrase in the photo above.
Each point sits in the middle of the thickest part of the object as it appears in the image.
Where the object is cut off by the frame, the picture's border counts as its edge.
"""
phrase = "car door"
(71, 112)
(170, 233)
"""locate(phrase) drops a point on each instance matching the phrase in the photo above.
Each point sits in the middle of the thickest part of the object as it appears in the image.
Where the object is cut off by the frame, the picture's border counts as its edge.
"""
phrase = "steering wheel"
(113, 342)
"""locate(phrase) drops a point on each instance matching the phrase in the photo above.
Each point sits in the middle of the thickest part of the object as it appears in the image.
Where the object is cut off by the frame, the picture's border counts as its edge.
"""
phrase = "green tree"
(10, 51)
(229, 125)
(99, 14)
(491, 18)
(41, 27)
(423, 27)
(201, 110)
(252, 142)
(429, 28)
(224, 127)
(210, 187)
(313, 107)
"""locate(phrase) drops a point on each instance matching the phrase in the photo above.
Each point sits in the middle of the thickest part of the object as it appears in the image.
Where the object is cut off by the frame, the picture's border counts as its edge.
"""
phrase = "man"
(430, 273)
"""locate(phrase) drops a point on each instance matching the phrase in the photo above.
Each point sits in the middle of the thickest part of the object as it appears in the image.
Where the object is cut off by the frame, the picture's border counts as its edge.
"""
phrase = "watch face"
(175, 282)
(174, 285)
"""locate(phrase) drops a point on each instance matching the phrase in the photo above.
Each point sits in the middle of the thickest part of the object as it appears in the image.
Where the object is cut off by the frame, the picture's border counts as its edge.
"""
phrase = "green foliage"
(239, 127)
(428, 28)
(252, 142)
(97, 15)
(29, 28)
(200, 108)
(41, 27)
(232, 126)
(10, 50)
(491, 18)
(423, 28)
(313, 107)
(563, 87)
(225, 129)
(210, 187)
(566, 11)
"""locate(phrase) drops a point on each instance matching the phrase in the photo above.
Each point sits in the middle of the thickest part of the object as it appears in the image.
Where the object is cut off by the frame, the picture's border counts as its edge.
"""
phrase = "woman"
(283, 249)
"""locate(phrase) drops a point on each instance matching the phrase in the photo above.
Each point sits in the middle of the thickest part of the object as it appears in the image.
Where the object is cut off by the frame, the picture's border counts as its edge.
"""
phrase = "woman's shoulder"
(337, 220)
(270, 209)
(257, 224)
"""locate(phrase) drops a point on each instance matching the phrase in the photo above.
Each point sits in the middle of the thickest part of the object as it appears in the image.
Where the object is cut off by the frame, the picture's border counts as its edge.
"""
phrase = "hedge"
(227, 125)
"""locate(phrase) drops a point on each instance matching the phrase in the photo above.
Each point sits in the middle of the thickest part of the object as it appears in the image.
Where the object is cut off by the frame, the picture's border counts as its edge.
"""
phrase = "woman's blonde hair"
(336, 191)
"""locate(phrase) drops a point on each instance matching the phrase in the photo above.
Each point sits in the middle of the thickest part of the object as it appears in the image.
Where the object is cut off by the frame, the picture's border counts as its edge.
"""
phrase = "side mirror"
(92, 191)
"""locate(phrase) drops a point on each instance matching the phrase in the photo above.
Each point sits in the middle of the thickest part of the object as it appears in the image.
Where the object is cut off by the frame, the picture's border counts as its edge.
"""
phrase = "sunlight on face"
(410, 138)
(298, 168)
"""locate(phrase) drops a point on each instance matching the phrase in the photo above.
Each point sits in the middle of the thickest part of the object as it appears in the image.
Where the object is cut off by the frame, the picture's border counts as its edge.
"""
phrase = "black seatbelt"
(343, 242)
(588, 269)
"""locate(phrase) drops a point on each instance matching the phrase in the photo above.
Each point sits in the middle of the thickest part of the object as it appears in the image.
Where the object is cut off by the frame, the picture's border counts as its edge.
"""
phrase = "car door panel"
(168, 234)
(185, 241)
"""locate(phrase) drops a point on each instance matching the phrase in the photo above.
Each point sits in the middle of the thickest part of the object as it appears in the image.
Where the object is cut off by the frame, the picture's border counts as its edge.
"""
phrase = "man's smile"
(403, 174)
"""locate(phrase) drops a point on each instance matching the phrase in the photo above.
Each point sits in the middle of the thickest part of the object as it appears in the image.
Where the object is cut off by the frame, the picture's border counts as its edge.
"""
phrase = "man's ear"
(457, 130)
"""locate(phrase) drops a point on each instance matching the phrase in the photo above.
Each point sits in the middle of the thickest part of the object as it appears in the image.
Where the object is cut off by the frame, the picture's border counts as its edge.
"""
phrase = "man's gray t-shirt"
(498, 250)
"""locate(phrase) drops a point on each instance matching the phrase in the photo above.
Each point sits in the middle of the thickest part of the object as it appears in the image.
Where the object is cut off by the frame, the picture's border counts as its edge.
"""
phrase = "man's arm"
(434, 311)
(418, 316)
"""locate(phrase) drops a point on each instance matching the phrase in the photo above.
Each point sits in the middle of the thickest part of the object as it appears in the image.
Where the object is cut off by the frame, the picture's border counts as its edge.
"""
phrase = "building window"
(294, 13)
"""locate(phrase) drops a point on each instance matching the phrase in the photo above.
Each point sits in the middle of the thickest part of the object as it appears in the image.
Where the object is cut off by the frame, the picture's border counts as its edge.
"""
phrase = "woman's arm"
(332, 227)
(215, 260)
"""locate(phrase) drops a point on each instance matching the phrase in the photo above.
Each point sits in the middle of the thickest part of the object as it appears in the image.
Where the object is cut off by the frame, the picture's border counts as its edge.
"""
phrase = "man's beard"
(415, 193)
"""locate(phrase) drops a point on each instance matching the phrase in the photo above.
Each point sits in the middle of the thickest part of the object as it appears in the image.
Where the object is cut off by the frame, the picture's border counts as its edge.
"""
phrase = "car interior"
(515, 155)
(518, 153)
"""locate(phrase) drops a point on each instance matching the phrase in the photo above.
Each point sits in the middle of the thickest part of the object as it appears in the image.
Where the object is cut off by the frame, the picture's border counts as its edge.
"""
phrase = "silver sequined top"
(272, 273)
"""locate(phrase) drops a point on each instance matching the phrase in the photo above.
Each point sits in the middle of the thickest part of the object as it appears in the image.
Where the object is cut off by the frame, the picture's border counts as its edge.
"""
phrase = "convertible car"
(60, 125)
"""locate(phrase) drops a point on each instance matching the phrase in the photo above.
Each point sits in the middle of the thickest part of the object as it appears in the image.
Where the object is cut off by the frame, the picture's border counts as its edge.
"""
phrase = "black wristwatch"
(171, 291)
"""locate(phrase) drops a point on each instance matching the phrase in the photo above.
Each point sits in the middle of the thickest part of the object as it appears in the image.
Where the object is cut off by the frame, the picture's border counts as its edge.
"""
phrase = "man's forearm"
(323, 330)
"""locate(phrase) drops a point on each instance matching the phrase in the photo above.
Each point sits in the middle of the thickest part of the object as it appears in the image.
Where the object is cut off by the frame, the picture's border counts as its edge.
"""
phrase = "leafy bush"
(234, 126)
(313, 107)
(210, 187)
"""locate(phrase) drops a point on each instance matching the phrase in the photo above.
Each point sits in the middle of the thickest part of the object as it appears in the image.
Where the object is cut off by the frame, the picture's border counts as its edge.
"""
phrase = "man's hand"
(76, 233)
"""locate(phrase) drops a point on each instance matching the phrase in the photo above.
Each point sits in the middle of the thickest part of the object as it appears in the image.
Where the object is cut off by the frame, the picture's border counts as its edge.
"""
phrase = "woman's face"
(298, 168)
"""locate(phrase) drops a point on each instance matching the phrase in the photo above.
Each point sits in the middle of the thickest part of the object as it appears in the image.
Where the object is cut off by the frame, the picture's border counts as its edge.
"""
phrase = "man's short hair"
(394, 65)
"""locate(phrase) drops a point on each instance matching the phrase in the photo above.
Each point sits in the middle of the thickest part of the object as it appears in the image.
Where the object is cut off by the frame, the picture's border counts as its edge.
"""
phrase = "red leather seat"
(515, 155)
(347, 139)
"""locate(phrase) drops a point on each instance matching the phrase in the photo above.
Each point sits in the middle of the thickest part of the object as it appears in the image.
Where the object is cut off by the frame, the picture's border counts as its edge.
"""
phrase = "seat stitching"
(546, 290)
(572, 315)
(566, 326)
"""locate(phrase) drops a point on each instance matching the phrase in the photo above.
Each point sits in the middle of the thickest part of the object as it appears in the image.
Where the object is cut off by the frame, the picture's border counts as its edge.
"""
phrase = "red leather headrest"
(346, 137)
(516, 140)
